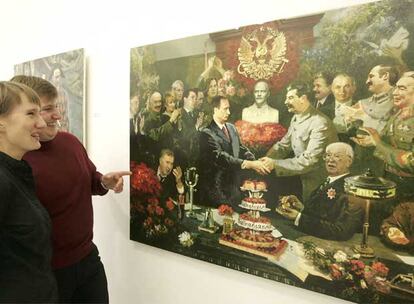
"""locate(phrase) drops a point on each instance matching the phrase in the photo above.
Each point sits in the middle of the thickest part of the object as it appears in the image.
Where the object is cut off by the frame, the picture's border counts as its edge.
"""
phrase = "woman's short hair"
(11, 95)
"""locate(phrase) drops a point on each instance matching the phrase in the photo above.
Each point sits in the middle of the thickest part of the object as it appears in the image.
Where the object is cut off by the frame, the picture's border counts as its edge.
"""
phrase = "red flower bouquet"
(225, 210)
(144, 180)
(356, 280)
(153, 216)
(259, 137)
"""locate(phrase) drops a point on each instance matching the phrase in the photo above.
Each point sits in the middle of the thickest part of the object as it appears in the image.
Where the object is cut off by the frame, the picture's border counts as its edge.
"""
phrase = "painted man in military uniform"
(395, 146)
(374, 112)
(308, 135)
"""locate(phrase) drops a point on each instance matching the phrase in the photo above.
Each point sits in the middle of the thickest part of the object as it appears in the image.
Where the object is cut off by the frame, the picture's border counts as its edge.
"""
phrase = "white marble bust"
(260, 111)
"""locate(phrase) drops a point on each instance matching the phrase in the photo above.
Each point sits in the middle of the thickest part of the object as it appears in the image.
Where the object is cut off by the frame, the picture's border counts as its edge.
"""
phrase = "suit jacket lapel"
(234, 140)
(219, 132)
(322, 192)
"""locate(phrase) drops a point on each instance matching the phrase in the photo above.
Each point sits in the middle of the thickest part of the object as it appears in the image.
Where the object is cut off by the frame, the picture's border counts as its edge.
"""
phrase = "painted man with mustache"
(325, 101)
(395, 145)
(375, 110)
(154, 126)
(308, 135)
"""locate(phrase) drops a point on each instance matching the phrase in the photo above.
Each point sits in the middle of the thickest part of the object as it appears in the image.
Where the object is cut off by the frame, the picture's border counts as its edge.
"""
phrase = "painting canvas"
(67, 72)
(283, 149)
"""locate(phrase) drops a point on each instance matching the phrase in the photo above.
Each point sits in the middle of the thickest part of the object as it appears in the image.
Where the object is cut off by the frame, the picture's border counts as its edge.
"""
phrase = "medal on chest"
(331, 193)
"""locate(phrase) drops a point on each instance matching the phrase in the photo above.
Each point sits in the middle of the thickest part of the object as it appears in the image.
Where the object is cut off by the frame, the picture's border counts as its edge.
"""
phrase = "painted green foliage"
(353, 40)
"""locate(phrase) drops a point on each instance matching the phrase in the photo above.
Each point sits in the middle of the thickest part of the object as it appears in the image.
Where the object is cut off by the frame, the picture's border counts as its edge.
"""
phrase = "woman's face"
(212, 88)
(170, 104)
(20, 129)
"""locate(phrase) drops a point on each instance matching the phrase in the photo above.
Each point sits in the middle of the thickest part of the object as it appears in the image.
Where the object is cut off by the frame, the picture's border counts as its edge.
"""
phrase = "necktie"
(226, 132)
(161, 178)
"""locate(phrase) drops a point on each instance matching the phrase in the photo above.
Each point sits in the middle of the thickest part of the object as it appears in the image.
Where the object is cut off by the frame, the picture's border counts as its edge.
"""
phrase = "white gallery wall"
(107, 30)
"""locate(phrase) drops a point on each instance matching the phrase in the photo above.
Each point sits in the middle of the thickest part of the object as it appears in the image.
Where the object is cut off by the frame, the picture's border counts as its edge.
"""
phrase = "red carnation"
(153, 201)
(169, 204)
(159, 211)
(259, 136)
(144, 180)
(380, 269)
(357, 266)
(225, 210)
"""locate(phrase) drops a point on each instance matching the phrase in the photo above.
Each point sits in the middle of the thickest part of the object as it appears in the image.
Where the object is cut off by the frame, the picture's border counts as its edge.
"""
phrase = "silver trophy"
(191, 180)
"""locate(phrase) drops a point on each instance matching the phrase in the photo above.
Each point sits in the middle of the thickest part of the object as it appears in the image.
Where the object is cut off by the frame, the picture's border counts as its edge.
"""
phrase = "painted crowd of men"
(376, 133)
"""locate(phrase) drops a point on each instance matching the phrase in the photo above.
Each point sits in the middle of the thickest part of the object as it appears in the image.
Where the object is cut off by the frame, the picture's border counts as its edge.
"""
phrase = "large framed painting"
(284, 150)
(67, 72)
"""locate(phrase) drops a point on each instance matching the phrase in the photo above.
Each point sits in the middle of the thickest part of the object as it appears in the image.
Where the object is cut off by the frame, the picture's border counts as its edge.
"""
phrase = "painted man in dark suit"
(191, 121)
(222, 157)
(325, 100)
(329, 212)
(172, 185)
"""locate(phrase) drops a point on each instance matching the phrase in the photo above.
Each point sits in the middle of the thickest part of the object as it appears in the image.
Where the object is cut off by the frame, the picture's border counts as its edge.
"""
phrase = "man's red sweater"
(65, 181)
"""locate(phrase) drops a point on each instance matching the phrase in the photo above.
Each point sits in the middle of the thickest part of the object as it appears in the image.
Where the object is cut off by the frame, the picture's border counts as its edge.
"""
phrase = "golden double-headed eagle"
(262, 61)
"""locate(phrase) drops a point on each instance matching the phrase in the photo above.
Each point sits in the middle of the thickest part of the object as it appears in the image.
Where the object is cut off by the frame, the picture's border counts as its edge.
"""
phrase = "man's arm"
(282, 148)
(152, 129)
(177, 172)
(394, 228)
(397, 158)
(308, 159)
(342, 228)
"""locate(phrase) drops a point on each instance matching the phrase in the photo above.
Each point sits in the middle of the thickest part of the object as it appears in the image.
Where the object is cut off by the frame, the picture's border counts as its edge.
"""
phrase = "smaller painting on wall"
(67, 72)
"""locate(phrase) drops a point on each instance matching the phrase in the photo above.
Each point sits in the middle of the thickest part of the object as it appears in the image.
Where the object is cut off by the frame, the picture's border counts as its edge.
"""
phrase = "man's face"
(155, 102)
(404, 92)
(200, 99)
(321, 88)
(342, 88)
(51, 115)
(223, 112)
(337, 162)
(190, 101)
(375, 82)
(261, 92)
(178, 92)
(166, 164)
(293, 102)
